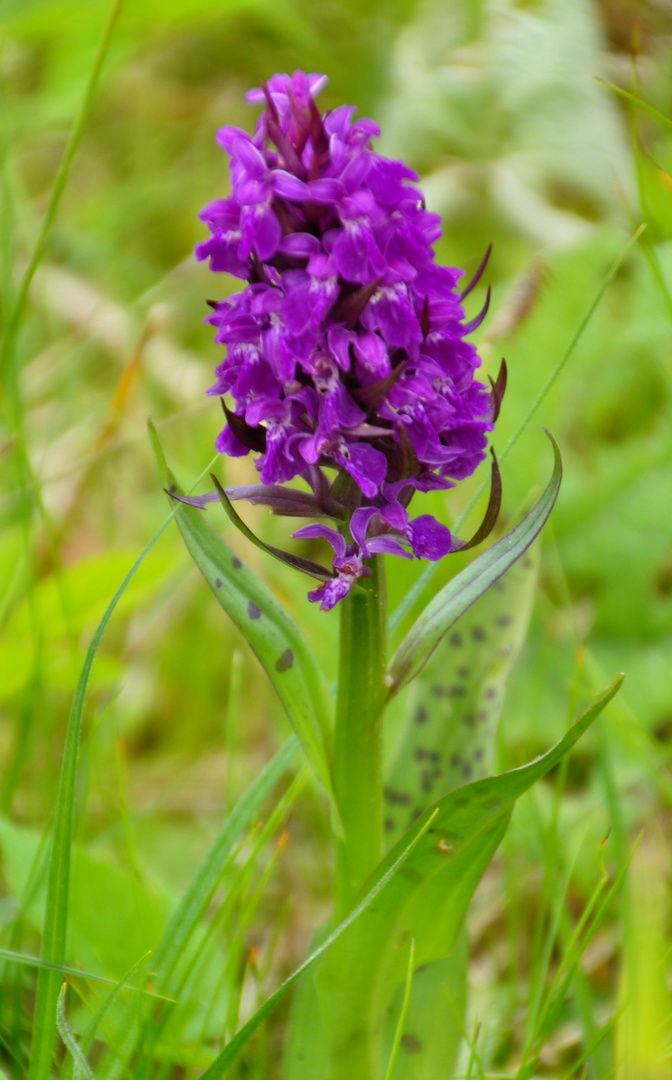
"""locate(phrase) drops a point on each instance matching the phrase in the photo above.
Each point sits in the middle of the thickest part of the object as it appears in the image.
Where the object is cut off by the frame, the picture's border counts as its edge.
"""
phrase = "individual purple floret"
(346, 349)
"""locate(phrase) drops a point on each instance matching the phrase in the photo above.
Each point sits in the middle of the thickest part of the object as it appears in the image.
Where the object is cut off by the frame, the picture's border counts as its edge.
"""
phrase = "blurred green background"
(498, 106)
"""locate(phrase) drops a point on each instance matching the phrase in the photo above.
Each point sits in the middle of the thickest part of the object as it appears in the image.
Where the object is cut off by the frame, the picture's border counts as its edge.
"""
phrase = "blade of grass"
(645, 211)
(194, 903)
(554, 895)
(24, 959)
(422, 584)
(572, 956)
(81, 1065)
(634, 100)
(233, 1048)
(59, 183)
(396, 1042)
(98, 1019)
(589, 1053)
(56, 913)
(197, 897)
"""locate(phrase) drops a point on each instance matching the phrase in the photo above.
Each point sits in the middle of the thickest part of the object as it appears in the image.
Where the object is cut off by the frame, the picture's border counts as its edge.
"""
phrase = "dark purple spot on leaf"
(438, 691)
(401, 798)
(218, 583)
(411, 874)
(254, 612)
(463, 672)
(455, 760)
(456, 691)
(455, 640)
(285, 661)
(478, 633)
(466, 770)
(389, 825)
(421, 715)
(504, 620)
(427, 781)
(236, 563)
(411, 1044)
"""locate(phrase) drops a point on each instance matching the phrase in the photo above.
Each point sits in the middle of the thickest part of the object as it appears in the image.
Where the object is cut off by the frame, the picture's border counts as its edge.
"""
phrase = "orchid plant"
(348, 370)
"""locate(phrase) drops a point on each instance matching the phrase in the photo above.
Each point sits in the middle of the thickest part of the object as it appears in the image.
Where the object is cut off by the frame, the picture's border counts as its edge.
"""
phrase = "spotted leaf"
(267, 626)
(454, 705)
(464, 590)
(426, 900)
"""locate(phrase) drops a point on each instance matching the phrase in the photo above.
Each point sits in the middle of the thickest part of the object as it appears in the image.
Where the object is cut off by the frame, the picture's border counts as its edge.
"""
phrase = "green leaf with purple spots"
(459, 594)
(432, 1032)
(270, 631)
(426, 900)
(454, 705)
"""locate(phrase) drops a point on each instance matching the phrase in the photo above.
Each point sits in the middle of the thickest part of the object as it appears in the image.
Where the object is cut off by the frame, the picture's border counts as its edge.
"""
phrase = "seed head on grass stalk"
(347, 349)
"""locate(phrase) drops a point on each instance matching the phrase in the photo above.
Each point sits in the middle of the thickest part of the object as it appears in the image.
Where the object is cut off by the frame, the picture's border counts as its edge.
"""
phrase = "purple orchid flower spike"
(346, 349)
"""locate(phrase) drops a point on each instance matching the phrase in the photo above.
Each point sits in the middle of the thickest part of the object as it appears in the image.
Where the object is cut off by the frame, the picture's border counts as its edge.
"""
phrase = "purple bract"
(346, 349)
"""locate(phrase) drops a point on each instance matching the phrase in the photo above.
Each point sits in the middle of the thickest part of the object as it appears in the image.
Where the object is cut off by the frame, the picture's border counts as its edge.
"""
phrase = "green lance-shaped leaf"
(378, 882)
(449, 739)
(455, 703)
(271, 632)
(426, 900)
(432, 1033)
(460, 593)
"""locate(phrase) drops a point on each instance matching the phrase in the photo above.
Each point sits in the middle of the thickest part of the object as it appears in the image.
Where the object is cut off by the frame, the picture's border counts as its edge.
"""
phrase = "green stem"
(358, 772)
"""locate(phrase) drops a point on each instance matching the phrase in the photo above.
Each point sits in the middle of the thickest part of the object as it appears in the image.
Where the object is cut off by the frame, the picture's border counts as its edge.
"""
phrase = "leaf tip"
(157, 450)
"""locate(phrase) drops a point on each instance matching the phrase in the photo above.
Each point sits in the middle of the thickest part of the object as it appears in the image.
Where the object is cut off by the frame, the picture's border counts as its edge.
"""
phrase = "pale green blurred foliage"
(644, 1025)
(498, 104)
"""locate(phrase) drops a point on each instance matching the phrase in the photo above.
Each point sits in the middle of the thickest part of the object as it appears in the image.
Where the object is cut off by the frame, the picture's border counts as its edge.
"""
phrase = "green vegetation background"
(498, 106)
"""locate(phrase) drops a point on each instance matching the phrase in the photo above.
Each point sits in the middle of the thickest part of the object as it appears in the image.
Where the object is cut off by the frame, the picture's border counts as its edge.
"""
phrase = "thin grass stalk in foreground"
(60, 183)
(56, 912)
(396, 1042)
(81, 1065)
(421, 585)
(198, 895)
(639, 103)
(13, 957)
(233, 1048)
(566, 971)
(99, 1017)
